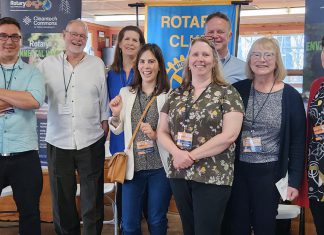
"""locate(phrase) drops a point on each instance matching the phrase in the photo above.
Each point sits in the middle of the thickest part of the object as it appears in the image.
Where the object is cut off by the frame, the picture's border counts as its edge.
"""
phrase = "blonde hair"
(267, 43)
(217, 74)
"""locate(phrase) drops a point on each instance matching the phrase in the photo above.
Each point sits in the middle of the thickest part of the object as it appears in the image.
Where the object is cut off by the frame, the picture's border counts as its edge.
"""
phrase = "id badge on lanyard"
(319, 132)
(64, 109)
(184, 140)
(144, 147)
(252, 145)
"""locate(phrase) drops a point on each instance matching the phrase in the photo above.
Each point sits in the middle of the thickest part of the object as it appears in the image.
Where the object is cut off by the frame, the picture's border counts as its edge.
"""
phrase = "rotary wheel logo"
(174, 71)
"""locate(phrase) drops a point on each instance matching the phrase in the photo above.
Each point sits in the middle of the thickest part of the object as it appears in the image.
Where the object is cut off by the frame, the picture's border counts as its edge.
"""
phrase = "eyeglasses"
(259, 55)
(75, 35)
(14, 37)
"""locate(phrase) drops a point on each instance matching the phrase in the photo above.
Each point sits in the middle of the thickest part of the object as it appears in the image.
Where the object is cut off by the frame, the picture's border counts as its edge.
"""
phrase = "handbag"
(117, 164)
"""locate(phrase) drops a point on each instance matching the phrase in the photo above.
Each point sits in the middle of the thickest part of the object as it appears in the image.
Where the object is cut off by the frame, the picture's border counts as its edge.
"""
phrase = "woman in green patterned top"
(198, 126)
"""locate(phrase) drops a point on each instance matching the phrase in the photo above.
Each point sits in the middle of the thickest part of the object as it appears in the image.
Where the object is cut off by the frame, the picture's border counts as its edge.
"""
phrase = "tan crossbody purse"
(117, 164)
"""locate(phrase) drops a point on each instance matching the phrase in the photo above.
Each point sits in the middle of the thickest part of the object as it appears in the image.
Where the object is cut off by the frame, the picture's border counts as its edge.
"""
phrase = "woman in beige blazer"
(146, 184)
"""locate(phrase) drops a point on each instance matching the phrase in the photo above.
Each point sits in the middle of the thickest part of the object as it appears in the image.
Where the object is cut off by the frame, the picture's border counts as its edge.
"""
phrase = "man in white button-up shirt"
(76, 126)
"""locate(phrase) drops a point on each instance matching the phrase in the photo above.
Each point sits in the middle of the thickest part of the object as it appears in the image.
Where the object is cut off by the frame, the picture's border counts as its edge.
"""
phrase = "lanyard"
(268, 94)
(66, 87)
(187, 110)
(4, 76)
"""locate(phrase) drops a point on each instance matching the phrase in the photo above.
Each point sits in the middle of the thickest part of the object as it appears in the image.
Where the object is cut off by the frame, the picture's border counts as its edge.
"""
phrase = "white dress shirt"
(74, 122)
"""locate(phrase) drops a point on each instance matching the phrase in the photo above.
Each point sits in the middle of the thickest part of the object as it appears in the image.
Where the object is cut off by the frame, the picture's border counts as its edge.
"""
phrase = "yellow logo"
(174, 70)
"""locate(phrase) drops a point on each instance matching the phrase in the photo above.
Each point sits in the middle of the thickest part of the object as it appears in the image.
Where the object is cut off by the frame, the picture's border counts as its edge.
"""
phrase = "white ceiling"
(91, 8)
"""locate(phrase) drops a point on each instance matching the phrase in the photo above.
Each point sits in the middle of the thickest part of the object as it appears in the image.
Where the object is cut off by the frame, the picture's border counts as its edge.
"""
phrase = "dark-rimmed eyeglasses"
(75, 35)
(13, 37)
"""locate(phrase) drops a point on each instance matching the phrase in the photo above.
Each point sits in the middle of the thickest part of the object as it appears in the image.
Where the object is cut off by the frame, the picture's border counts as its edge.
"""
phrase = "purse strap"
(140, 121)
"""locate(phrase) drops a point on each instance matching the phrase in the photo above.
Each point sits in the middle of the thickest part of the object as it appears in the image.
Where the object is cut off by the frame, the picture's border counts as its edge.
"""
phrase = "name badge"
(184, 140)
(144, 147)
(252, 145)
(319, 132)
(64, 109)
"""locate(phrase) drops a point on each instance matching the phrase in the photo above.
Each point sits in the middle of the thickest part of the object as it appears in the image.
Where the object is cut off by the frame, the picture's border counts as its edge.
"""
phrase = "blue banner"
(314, 31)
(172, 27)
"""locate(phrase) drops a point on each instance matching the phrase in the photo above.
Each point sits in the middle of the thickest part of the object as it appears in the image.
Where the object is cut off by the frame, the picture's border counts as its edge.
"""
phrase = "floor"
(11, 228)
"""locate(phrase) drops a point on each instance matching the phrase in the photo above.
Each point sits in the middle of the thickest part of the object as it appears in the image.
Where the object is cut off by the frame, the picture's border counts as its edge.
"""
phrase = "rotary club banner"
(172, 27)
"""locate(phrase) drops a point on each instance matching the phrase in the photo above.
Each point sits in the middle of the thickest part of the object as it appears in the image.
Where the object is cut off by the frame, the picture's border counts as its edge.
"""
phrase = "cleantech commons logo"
(41, 22)
(29, 5)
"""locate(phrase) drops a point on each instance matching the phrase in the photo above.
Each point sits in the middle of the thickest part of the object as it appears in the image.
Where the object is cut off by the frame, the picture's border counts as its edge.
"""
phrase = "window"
(292, 52)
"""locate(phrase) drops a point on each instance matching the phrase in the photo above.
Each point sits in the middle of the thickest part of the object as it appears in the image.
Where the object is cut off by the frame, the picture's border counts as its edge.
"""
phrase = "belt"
(14, 154)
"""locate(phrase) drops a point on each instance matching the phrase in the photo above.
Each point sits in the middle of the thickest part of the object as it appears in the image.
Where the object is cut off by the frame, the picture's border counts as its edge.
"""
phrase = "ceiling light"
(274, 11)
(119, 18)
(297, 10)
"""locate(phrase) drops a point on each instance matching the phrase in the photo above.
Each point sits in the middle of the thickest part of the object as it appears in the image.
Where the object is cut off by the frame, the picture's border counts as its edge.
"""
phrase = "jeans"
(150, 187)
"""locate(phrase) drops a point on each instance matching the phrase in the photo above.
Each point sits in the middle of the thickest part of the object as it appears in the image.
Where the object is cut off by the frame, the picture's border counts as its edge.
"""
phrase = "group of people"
(225, 113)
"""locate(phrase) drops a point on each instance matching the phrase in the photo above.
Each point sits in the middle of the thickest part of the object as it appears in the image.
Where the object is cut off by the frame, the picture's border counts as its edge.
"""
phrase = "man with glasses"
(76, 126)
(218, 27)
(21, 93)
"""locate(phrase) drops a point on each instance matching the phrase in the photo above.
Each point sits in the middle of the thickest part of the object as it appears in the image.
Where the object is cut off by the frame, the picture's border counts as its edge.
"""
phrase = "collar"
(19, 64)
(64, 55)
(226, 59)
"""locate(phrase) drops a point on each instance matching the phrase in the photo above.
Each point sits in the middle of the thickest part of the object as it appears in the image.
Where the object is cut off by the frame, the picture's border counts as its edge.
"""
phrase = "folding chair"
(108, 188)
(291, 212)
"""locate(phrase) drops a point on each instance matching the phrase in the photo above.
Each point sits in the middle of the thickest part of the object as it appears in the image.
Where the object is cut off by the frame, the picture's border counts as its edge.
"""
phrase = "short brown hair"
(220, 15)
(10, 20)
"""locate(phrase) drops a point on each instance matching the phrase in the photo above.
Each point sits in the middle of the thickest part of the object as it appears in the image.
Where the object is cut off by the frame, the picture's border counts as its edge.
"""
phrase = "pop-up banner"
(42, 22)
(314, 31)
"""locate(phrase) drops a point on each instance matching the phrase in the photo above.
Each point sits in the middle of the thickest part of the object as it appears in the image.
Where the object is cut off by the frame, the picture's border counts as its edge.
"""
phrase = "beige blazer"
(125, 125)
